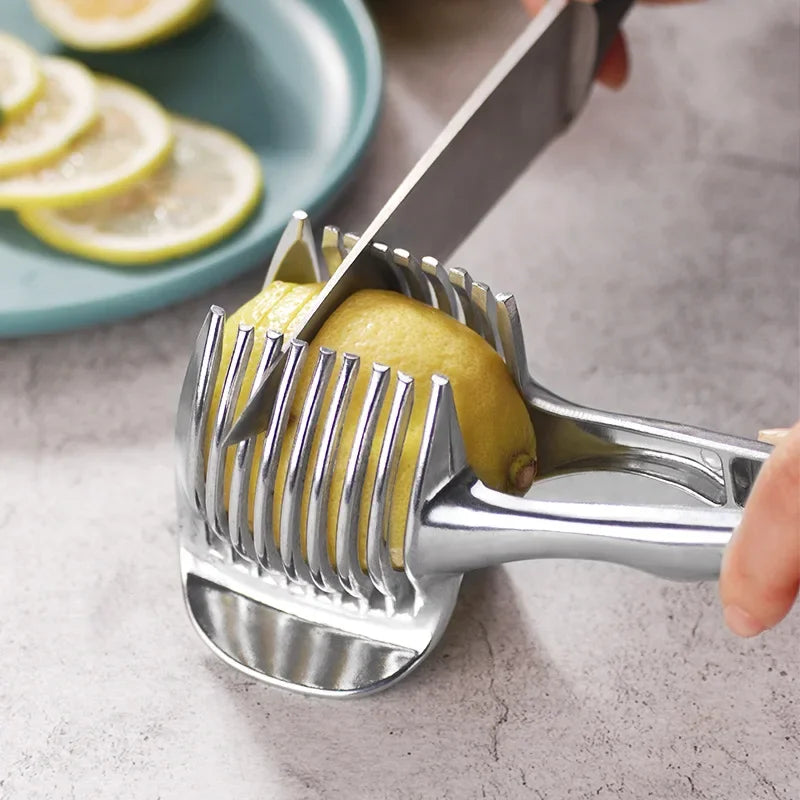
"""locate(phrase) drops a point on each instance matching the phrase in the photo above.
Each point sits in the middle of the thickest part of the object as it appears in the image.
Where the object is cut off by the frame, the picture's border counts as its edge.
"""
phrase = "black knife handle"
(610, 14)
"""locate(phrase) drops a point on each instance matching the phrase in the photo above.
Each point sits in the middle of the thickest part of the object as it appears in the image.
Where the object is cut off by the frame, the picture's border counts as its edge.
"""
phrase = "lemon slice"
(131, 138)
(66, 108)
(206, 190)
(118, 24)
(21, 77)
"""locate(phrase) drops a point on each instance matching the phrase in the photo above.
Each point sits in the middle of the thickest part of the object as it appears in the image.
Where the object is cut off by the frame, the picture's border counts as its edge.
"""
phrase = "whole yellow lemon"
(408, 336)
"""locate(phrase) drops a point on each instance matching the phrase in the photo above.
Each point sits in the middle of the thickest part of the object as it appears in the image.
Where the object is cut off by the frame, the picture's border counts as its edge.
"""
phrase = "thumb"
(761, 569)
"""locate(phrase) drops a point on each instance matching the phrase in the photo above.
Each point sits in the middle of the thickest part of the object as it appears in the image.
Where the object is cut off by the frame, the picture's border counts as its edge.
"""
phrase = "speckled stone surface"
(655, 252)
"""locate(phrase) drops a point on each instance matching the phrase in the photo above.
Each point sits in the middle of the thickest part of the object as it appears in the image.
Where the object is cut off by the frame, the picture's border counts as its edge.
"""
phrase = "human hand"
(761, 569)
(613, 72)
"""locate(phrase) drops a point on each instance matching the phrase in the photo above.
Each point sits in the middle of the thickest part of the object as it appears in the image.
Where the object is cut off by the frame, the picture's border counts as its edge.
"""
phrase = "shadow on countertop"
(450, 708)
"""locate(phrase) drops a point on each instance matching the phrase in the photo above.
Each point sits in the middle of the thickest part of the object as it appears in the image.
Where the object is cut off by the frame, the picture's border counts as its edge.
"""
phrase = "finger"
(534, 6)
(761, 569)
(613, 72)
(773, 435)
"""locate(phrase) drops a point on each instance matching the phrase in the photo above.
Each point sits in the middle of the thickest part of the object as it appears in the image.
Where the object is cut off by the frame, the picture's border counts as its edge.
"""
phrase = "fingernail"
(741, 623)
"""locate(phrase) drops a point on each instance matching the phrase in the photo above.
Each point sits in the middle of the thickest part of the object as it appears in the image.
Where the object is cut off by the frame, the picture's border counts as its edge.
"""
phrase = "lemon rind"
(128, 34)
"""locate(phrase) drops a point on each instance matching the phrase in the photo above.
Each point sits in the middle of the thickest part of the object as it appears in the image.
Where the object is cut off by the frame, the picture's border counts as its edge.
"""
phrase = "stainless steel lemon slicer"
(273, 604)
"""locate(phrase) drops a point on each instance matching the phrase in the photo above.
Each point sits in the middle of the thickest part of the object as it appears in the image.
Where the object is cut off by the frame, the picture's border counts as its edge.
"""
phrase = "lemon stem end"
(522, 472)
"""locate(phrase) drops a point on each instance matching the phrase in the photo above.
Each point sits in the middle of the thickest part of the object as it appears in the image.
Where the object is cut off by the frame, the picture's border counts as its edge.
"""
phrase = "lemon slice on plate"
(131, 137)
(21, 77)
(118, 24)
(67, 107)
(204, 192)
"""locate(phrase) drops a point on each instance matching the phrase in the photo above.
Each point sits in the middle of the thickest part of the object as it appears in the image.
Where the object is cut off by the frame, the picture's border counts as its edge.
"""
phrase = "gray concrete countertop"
(655, 254)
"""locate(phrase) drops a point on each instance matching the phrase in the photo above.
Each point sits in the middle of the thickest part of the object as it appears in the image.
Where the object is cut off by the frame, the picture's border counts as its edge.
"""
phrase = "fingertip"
(742, 623)
(761, 567)
(754, 583)
(613, 71)
(533, 6)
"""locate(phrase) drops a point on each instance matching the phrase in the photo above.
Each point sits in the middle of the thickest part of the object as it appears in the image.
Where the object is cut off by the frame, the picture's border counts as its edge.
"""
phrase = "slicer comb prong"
(319, 561)
(510, 330)
(417, 283)
(442, 287)
(264, 539)
(350, 240)
(462, 284)
(333, 248)
(390, 582)
(216, 515)
(484, 301)
(295, 258)
(194, 407)
(354, 580)
(383, 253)
(291, 548)
(238, 505)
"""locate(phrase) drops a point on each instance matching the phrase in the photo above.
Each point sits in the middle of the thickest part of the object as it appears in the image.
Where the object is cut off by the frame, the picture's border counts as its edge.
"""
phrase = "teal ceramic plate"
(299, 80)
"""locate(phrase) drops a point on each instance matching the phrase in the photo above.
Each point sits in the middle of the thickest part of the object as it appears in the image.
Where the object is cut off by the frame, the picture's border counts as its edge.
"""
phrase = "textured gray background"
(655, 252)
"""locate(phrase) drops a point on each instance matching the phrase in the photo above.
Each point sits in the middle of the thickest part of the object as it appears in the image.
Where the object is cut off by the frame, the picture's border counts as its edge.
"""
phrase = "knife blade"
(528, 99)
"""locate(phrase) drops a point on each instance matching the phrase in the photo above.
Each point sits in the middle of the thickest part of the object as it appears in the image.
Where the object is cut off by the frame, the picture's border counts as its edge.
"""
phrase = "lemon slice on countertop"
(207, 189)
(118, 24)
(21, 76)
(66, 108)
(131, 137)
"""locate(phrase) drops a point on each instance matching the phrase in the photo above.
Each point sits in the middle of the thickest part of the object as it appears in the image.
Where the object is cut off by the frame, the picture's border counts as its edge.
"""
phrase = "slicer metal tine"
(348, 567)
(333, 249)
(319, 562)
(194, 405)
(486, 305)
(381, 251)
(440, 282)
(295, 258)
(238, 503)
(442, 455)
(462, 284)
(415, 278)
(216, 516)
(264, 541)
(291, 543)
(387, 580)
(510, 328)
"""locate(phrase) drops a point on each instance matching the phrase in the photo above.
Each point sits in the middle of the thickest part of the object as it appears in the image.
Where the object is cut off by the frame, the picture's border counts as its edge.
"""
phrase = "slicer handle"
(468, 526)
(610, 14)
